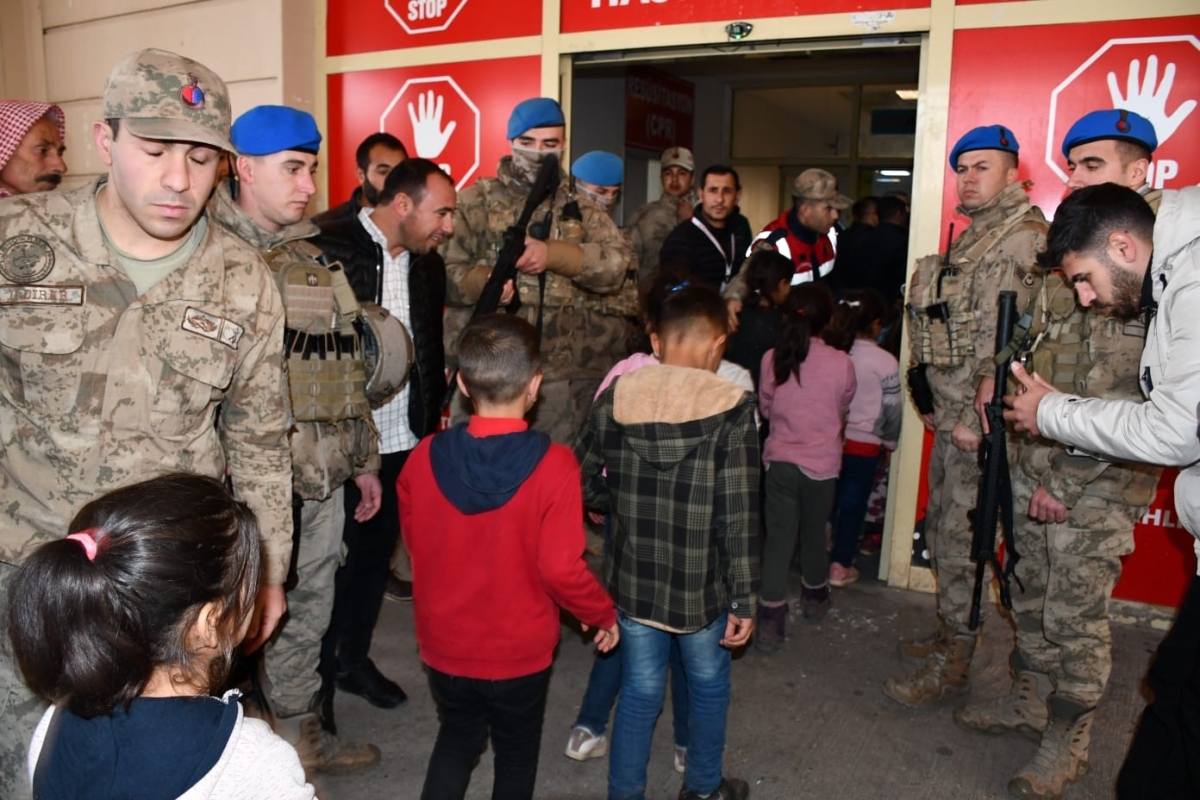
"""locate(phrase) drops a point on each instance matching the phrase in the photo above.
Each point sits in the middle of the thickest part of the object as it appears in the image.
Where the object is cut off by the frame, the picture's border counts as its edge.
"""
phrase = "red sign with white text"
(453, 114)
(660, 109)
(1163, 561)
(601, 15)
(366, 26)
(1054, 74)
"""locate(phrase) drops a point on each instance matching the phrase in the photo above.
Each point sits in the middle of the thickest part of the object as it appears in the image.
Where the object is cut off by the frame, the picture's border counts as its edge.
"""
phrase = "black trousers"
(360, 583)
(469, 709)
(1164, 757)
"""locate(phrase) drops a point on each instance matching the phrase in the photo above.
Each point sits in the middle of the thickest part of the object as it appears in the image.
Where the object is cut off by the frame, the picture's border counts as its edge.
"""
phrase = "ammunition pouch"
(944, 325)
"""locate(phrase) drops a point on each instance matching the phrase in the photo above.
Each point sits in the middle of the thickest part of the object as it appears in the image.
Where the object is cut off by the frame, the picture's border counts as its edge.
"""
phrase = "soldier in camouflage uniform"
(583, 257)
(651, 224)
(334, 439)
(953, 309)
(1080, 511)
(135, 338)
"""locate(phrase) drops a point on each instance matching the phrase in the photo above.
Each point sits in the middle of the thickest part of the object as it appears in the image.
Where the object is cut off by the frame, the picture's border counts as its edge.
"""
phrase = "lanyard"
(732, 247)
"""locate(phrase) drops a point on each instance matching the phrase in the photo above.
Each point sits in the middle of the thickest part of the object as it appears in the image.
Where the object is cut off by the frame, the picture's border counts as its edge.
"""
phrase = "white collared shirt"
(391, 419)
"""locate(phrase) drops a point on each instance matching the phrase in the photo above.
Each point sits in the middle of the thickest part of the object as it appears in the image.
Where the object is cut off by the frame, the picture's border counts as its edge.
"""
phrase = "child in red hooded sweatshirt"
(492, 516)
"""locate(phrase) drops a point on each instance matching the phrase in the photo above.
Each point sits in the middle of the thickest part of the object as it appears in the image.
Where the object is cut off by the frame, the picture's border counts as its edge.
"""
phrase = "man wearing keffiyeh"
(31, 147)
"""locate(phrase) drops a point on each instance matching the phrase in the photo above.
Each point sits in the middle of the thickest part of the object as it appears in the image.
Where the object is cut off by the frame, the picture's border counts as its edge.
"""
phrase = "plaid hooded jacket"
(681, 453)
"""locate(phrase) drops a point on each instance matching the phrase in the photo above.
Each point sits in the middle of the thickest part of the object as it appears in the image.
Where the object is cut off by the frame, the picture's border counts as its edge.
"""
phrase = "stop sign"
(424, 16)
(441, 122)
(1155, 76)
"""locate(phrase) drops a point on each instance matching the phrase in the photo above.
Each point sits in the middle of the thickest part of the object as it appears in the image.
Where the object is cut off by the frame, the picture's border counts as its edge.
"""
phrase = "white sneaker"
(680, 759)
(584, 745)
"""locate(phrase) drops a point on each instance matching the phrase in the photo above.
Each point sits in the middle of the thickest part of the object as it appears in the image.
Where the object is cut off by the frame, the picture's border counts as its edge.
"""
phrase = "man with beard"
(374, 159)
(651, 223)
(1074, 514)
(585, 254)
(136, 337)
(1124, 264)
(390, 257)
(31, 147)
(708, 247)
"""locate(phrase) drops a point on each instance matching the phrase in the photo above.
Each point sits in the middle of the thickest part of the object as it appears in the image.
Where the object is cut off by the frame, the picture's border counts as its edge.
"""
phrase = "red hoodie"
(492, 516)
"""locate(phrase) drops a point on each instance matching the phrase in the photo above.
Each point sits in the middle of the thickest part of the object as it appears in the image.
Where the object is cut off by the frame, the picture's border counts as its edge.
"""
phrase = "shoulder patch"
(26, 259)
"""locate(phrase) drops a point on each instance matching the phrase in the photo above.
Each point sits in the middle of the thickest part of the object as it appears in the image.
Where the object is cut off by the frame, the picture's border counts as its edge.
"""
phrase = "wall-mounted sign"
(660, 109)
(366, 26)
(600, 15)
(453, 114)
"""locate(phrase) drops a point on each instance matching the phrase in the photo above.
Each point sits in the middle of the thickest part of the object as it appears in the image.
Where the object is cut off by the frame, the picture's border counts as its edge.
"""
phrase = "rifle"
(995, 505)
(544, 187)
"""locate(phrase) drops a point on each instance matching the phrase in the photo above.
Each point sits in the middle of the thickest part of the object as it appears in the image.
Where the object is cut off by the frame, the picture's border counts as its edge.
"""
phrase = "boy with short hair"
(496, 541)
(681, 489)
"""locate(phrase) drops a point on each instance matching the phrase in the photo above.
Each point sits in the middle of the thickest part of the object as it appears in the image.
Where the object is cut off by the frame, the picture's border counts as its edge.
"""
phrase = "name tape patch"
(14, 295)
(210, 326)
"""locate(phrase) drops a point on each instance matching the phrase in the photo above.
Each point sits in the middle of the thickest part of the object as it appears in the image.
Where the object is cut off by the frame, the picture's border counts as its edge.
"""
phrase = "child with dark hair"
(805, 393)
(872, 423)
(165, 572)
(671, 455)
(490, 514)
(769, 279)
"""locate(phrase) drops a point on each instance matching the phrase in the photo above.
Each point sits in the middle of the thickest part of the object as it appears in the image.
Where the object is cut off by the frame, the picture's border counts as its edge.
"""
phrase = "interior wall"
(79, 42)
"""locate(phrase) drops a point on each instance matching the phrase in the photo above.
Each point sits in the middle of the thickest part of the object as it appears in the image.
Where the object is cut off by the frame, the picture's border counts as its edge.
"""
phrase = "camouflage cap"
(161, 95)
(817, 184)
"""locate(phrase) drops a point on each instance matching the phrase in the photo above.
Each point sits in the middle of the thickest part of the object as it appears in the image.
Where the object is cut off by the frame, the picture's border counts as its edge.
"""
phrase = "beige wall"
(61, 51)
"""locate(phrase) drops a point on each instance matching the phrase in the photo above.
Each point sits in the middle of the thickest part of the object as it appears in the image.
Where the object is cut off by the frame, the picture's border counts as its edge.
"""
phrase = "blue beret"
(536, 112)
(986, 137)
(264, 130)
(1112, 123)
(600, 168)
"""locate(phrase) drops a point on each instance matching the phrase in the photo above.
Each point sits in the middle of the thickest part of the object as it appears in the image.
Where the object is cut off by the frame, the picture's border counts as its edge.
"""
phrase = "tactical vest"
(1058, 348)
(326, 373)
(941, 306)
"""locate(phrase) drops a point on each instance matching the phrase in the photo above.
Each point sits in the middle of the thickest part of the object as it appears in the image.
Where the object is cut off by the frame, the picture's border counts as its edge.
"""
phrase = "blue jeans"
(645, 652)
(604, 683)
(854, 485)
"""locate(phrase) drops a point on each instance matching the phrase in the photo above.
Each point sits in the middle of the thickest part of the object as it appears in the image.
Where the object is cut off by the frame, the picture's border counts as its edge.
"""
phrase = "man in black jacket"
(711, 246)
(390, 257)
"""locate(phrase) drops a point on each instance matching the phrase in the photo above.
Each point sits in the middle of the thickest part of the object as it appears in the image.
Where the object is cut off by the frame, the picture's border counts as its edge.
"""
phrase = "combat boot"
(1062, 756)
(320, 750)
(1023, 709)
(919, 649)
(943, 674)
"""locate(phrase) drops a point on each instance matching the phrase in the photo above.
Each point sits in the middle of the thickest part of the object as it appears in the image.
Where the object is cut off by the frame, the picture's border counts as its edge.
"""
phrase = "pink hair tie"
(88, 540)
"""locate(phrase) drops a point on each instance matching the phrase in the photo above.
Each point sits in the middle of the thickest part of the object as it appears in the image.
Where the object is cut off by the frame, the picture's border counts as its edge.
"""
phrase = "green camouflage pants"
(292, 656)
(953, 491)
(562, 408)
(1069, 571)
(20, 710)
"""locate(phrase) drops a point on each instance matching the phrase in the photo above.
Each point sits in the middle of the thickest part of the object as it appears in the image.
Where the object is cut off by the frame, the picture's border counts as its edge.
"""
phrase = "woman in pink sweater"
(872, 427)
(805, 390)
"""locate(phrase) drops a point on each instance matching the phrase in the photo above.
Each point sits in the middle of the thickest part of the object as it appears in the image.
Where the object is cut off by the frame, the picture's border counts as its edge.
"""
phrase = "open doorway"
(848, 107)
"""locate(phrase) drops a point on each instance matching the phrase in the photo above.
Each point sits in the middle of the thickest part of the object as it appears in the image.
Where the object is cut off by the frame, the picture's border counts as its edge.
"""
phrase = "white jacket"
(255, 765)
(1163, 430)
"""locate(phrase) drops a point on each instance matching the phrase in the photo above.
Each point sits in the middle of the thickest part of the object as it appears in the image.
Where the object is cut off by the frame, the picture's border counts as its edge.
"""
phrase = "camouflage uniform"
(101, 387)
(649, 226)
(575, 336)
(324, 456)
(1069, 569)
(997, 252)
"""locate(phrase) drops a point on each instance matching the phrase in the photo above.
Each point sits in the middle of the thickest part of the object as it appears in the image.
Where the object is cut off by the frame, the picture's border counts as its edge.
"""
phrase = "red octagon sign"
(1155, 76)
(440, 121)
(424, 16)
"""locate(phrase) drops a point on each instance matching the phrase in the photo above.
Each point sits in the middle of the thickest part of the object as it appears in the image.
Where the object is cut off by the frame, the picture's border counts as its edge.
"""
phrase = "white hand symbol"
(1148, 100)
(428, 135)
